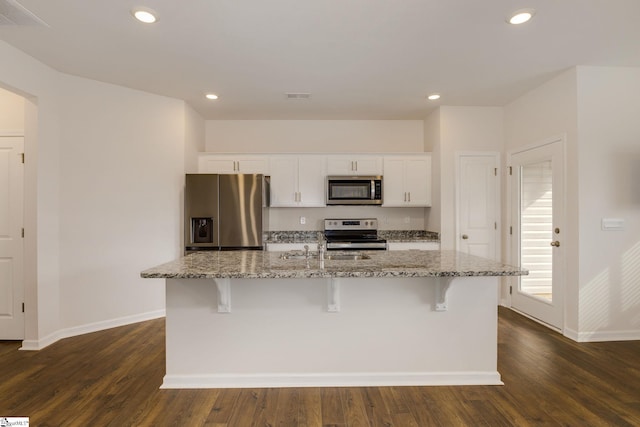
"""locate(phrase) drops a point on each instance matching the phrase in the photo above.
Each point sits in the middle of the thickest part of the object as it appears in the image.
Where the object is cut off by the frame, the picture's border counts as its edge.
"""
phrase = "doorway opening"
(12, 123)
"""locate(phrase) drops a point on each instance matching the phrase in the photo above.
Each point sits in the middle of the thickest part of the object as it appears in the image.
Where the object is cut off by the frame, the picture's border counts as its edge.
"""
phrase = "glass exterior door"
(537, 204)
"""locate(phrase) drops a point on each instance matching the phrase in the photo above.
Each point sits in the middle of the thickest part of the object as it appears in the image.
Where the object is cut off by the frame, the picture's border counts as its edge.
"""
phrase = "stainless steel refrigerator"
(224, 212)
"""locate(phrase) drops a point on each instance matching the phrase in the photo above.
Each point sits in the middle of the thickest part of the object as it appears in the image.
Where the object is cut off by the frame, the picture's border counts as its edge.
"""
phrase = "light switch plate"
(612, 224)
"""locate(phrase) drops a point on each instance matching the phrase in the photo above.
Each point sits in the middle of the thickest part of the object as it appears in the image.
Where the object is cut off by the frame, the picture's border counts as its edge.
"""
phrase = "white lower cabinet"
(392, 246)
(297, 181)
(407, 181)
(405, 246)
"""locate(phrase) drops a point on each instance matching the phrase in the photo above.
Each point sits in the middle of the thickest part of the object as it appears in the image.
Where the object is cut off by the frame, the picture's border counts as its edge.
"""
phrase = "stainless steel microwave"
(354, 190)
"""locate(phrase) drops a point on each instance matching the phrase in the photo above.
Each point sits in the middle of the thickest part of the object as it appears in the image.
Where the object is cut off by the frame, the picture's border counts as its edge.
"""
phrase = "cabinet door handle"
(356, 165)
(556, 244)
(409, 197)
(465, 237)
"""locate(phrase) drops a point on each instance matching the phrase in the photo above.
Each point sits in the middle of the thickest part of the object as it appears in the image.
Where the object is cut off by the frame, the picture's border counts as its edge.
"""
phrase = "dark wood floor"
(111, 378)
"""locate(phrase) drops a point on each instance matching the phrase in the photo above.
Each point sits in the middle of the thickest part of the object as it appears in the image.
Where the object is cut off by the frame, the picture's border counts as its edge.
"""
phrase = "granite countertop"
(270, 265)
(389, 235)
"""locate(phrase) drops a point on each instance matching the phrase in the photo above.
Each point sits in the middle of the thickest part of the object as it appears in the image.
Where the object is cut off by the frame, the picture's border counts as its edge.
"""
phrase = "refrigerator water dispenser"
(201, 230)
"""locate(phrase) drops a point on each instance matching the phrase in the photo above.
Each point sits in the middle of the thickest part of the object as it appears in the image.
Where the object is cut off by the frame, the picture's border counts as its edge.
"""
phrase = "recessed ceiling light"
(297, 95)
(211, 96)
(433, 97)
(521, 16)
(145, 15)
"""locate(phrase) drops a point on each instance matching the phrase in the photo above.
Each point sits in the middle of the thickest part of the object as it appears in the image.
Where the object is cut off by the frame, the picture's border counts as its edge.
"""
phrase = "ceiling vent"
(13, 13)
(297, 95)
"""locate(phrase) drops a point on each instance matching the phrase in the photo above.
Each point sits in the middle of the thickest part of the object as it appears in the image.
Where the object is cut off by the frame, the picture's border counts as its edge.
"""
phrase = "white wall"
(388, 218)
(460, 129)
(547, 111)
(194, 139)
(103, 176)
(11, 111)
(121, 177)
(609, 174)
(39, 84)
(596, 108)
(323, 136)
(432, 143)
(314, 136)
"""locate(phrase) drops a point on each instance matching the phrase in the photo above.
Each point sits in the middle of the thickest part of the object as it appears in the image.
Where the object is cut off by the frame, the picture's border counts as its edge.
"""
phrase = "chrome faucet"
(322, 246)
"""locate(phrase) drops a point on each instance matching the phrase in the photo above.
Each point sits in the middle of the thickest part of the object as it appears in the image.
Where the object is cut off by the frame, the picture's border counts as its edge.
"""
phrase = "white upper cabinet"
(297, 181)
(354, 165)
(407, 181)
(232, 164)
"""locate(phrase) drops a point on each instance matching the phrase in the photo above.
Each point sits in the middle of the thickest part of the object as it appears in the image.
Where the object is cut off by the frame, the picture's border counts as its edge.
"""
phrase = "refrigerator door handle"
(266, 191)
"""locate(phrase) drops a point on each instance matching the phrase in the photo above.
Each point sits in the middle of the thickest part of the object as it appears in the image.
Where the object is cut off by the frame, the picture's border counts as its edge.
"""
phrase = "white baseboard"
(571, 334)
(90, 327)
(331, 380)
(43, 342)
(601, 336)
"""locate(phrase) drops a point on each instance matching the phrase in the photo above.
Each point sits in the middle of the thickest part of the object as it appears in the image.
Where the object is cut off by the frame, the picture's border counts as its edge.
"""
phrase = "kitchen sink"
(329, 257)
(299, 255)
(346, 257)
(295, 256)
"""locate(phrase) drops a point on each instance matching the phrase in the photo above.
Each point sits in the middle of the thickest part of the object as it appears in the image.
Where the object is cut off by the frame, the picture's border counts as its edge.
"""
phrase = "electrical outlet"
(303, 220)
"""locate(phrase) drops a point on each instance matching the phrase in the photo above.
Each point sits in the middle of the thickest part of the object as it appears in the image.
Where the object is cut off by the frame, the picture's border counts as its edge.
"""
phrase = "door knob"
(465, 237)
(556, 243)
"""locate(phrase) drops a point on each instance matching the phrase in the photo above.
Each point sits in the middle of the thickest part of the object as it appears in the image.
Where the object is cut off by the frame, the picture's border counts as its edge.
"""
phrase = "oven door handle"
(358, 245)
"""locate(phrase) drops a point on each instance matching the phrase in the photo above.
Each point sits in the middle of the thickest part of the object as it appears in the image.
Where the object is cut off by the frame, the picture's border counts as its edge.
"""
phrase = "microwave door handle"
(373, 189)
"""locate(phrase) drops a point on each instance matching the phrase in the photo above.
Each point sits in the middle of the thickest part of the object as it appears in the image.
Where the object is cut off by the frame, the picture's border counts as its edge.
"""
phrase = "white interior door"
(11, 253)
(478, 204)
(537, 213)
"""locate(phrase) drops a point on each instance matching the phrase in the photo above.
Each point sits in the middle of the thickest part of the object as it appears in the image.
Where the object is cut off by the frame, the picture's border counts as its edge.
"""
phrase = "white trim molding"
(331, 380)
(11, 133)
(602, 336)
(90, 327)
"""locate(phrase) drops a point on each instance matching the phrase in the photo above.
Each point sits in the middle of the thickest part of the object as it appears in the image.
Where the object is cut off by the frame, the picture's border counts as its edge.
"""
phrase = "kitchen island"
(255, 319)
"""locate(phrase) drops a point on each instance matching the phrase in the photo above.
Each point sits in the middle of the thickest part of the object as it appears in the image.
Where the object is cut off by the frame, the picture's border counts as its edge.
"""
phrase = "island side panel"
(279, 333)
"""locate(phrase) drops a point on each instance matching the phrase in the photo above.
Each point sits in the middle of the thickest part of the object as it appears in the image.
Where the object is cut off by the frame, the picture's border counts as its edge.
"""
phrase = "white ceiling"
(360, 59)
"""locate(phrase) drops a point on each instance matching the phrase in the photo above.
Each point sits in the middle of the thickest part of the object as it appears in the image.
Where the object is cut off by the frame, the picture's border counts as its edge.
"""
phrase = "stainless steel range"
(347, 234)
